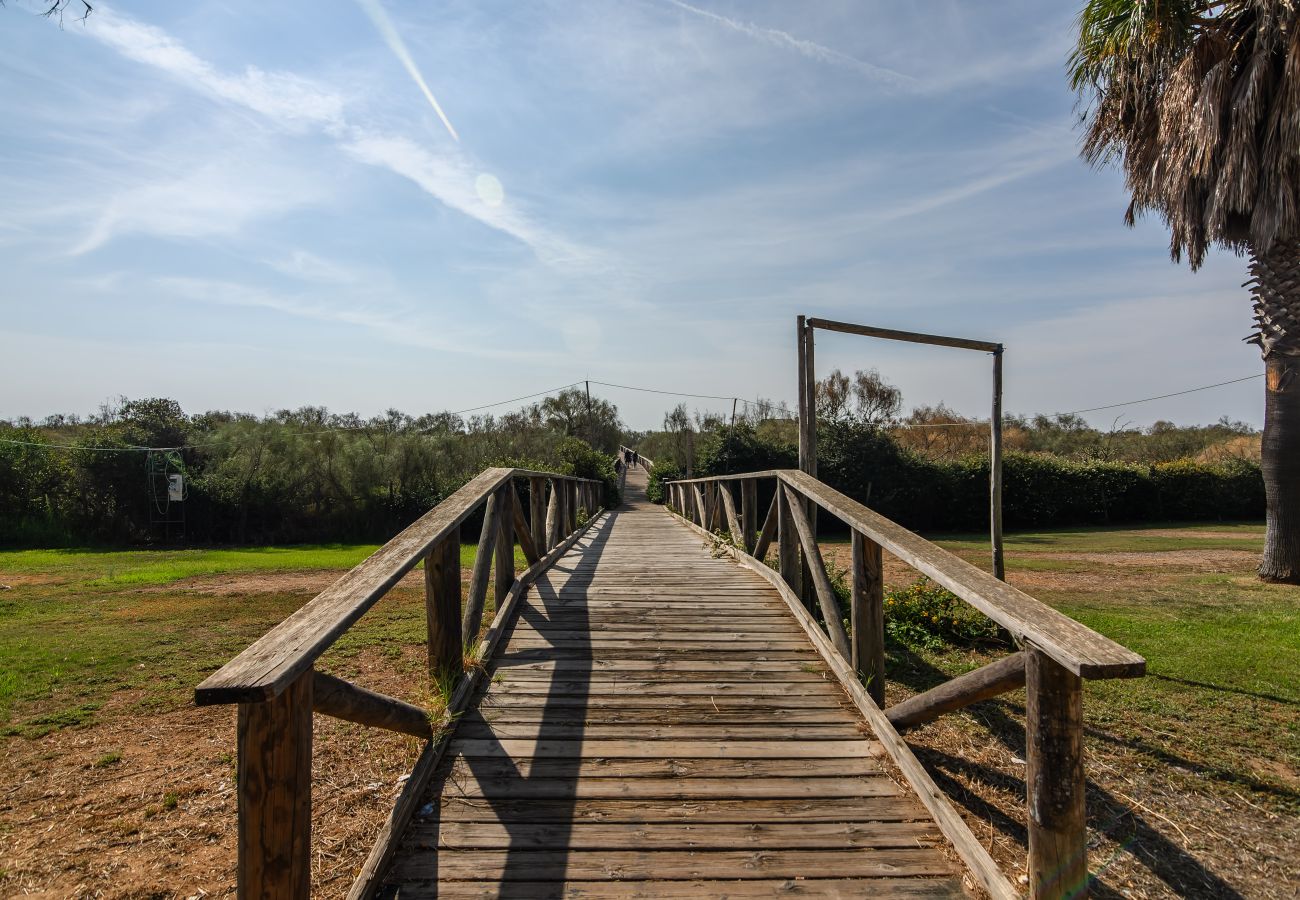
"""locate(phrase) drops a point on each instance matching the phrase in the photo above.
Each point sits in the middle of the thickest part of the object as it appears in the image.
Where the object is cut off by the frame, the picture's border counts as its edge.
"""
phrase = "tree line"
(291, 476)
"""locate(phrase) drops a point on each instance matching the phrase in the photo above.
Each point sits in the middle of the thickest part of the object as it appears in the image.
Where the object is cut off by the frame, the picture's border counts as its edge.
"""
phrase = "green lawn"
(1222, 692)
(78, 626)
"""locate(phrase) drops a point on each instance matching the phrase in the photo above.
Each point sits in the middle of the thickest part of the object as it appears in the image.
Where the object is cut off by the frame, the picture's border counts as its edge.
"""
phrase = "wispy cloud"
(375, 11)
(288, 100)
(807, 48)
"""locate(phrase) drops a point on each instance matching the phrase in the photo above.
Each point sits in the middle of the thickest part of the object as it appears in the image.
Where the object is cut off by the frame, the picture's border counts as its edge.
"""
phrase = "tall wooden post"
(867, 614)
(995, 469)
(749, 513)
(810, 406)
(505, 551)
(800, 334)
(274, 839)
(1058, 861)
(442, 608)
(537, 514)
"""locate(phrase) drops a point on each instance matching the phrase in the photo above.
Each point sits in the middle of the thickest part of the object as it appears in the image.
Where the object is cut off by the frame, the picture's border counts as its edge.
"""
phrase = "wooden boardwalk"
(657, 724)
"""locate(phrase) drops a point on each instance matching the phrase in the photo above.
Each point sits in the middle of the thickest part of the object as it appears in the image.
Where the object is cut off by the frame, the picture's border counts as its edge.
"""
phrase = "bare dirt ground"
(160, 823)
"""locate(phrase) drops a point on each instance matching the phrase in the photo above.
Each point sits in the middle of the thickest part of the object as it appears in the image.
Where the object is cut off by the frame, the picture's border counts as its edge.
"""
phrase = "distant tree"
(577, 414)
(866, 399)
(1199, 103)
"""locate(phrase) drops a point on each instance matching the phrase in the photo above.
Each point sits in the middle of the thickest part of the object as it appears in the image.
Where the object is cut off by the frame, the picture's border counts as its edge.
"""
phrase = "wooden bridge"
(658, 712)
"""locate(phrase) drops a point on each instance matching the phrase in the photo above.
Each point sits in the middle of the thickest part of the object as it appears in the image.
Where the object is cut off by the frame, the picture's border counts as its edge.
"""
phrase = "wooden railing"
(1055, 653)
(277, 688)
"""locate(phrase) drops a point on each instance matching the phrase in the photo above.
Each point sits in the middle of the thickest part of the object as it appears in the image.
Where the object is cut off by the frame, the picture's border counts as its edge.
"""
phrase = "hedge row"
(1039, 490)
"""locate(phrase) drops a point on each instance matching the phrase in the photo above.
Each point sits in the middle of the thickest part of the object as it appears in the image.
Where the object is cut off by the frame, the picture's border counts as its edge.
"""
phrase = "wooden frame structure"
(1058, 654)
(277, 689)
(808, 406)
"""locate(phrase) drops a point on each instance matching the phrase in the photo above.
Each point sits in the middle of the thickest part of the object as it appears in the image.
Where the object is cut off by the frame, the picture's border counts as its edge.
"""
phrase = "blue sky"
(249, 205)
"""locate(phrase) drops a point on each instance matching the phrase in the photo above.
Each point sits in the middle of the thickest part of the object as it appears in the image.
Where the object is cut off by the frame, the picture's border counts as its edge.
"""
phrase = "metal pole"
(995, 468)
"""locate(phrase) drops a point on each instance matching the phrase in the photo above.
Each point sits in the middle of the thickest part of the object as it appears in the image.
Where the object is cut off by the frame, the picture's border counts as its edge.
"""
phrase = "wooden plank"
(602, 767)
(845, 748)
(825, 888)
(987, 681)
(568, 787)
(708, 836)
(369, 879)
(915, 337)
(344, 700)
(505, 548)
(1058, 851)
(787, 543)
(867, 613)
(478, 579)
(817, 568)
(537, 865)
(274, 789)
(972, 852)
(1072, 644)
(701, 509)
(537, 513)
(702, 703)
(731, 725)
(553, 517)
(749, 514)
(769, 529)
(827, 809)
(442, 609)
(667, 688)
(286, 651)
(522, 528)
(733, 520)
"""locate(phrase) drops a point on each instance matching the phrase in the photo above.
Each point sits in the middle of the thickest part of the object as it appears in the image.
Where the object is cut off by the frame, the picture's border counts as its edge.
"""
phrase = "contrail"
(807, 48)
(395, 43)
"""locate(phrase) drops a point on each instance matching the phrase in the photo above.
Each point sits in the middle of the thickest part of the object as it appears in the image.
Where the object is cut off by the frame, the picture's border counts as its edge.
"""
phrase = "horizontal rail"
(1070, 643)
(915, 337)
(279, 657)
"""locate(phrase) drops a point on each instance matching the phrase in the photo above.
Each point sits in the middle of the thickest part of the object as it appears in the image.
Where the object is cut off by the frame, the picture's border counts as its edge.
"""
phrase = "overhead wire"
(770, 406)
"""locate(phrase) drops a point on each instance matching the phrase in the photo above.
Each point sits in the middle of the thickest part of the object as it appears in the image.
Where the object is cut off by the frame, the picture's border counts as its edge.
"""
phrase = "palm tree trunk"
(1277, 319)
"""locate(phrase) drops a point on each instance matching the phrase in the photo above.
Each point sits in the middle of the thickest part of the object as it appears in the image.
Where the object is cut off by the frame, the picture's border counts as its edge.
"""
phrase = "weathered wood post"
(553, 515)
(867, 614)
(537, 513)
(749, 513)
(442, 608)
(700, 507)
(274, 768)
(478, 578)
(995, 469)
(1058, 861)
(505, 555)
(787, 543)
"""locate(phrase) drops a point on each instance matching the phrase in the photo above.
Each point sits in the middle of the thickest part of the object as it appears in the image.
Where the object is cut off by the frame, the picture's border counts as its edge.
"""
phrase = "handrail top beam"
(1069, 642)
(272, 662)
(914, 337)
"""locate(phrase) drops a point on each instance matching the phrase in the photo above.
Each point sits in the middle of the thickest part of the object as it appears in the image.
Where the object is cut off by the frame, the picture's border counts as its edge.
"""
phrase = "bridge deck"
(658, 725)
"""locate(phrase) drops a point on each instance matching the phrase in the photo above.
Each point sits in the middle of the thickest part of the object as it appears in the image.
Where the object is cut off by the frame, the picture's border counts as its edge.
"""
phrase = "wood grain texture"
(343, 700)
(442, 604)
(867, 614)
(1058, 855)
(988, 681)
(816, 568)
(1072, 644)
(653, 713)
(274, 833)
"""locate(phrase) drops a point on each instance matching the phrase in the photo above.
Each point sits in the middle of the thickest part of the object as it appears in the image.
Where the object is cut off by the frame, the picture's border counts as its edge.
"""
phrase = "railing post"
(537, 513)
(867, 615)
(1058, 862)
(553, 515)
(571, 507)
(749, 513)
(274, 839)
(505, 551)
(442, 608)
(478, 579)
(787, 543)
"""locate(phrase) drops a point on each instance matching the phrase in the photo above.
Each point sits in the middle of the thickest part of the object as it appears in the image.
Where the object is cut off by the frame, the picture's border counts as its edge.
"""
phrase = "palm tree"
(1199, 103)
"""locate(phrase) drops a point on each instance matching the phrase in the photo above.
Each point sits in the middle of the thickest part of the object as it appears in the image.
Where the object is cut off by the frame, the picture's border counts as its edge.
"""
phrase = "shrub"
(926, 615)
